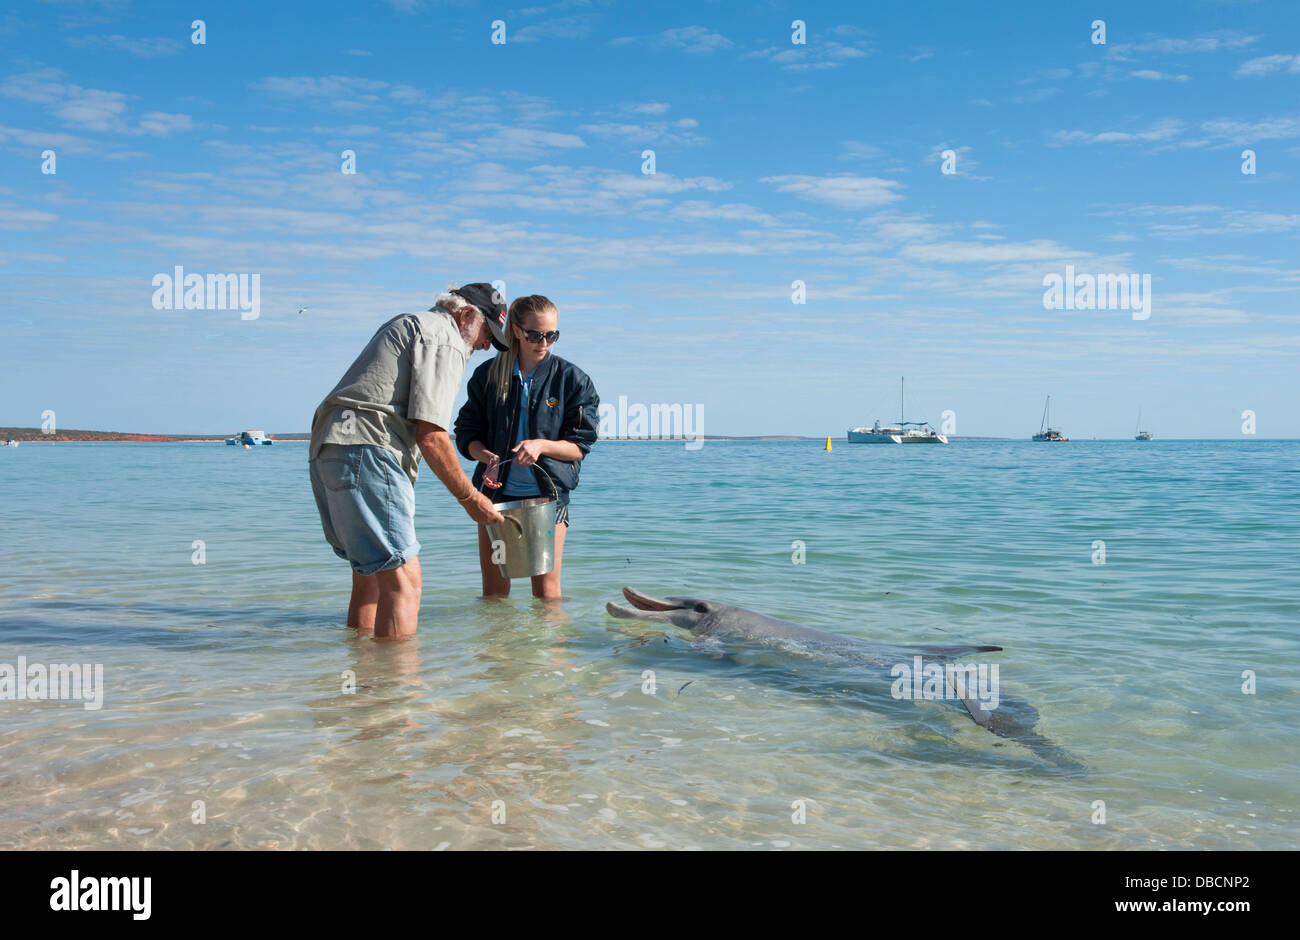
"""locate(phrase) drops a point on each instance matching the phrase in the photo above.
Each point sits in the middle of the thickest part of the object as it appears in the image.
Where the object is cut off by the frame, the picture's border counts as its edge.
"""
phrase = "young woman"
(530, 415)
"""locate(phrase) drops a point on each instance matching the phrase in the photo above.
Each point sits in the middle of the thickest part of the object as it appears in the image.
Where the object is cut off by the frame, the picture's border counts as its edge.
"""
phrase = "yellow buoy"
(828, 444)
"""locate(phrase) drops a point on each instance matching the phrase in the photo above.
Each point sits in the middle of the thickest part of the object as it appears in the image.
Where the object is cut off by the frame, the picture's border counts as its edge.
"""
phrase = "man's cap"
(493, 307)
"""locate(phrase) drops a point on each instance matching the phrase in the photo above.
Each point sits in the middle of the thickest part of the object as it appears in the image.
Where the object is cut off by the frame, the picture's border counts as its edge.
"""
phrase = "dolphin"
(1009, 718)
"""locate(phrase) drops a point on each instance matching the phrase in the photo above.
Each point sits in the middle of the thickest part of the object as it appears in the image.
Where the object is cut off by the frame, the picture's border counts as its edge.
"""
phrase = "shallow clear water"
(223, 681)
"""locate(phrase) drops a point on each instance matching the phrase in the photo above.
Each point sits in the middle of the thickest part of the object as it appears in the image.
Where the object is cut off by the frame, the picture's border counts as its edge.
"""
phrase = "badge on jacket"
(552, 402)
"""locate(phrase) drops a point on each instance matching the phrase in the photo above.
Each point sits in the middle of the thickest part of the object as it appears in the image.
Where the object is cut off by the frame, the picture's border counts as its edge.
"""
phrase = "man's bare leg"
(398, 610)
(548, 585)
(365, 598)
(494, 583)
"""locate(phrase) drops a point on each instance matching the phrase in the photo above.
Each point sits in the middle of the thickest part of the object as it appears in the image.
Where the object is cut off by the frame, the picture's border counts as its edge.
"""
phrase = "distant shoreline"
(36, 436)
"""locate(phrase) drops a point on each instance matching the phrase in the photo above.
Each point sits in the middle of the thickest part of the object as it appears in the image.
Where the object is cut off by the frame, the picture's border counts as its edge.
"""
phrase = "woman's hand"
(493, 467)
(527, 452)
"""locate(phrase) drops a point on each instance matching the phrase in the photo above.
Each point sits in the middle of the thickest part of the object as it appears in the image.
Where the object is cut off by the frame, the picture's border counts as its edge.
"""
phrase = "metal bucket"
(528, 536)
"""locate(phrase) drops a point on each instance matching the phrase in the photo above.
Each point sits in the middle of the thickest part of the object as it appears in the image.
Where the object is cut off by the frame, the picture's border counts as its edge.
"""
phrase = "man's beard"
(469, 332)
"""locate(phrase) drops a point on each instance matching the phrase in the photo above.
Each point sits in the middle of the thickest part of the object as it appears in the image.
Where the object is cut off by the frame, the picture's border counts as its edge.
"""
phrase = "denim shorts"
(366, 504)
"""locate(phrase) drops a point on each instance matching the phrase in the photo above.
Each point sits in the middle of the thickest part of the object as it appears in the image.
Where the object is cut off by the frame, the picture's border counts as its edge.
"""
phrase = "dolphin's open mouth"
(646, 606)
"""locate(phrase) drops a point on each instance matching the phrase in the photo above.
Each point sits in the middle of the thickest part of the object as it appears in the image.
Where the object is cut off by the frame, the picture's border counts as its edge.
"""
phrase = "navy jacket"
(562, 406)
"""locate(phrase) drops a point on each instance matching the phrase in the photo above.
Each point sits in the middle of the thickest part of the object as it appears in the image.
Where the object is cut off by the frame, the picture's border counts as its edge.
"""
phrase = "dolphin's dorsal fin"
(957, 650)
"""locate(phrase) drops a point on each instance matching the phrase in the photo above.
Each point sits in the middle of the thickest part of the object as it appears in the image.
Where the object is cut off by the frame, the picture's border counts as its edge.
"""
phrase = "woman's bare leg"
(494, 584)
(548, 585)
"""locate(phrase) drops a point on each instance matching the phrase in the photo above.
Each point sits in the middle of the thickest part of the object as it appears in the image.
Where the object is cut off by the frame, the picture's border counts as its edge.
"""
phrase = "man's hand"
(480, 510)
(435, 445)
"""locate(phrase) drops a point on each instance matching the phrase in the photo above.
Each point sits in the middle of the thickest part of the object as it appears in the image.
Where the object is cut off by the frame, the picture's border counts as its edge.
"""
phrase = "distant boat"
(905, 432)
(253, 437)
(918, 432)
(1141, 435)
(11, 443)
(1046, 433)
(876, 434)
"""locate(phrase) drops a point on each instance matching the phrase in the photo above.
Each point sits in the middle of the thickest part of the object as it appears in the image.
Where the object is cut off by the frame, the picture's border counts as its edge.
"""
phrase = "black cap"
(493, 307)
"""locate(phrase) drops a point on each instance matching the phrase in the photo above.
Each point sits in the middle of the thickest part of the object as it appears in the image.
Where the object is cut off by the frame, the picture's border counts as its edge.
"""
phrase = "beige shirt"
(409, 371)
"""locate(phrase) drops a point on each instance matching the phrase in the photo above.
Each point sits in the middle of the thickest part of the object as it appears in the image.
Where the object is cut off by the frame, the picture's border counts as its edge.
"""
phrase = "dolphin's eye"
(701, 608)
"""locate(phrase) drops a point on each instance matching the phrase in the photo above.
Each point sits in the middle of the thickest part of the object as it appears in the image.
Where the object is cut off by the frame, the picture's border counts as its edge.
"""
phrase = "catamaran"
(905, 432)
(1140, 435)
(249, 438)
(1046, 433)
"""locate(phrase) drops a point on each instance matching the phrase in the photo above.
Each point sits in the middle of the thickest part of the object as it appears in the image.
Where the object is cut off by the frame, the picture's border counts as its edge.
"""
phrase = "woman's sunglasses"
(536, 336)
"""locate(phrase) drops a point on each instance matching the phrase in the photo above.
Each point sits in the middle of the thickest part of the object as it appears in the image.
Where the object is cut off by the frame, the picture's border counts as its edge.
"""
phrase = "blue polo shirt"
(520, 483)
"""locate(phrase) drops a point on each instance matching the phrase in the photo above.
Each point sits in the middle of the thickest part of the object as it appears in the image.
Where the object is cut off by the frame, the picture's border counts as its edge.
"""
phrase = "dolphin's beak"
(646, 606)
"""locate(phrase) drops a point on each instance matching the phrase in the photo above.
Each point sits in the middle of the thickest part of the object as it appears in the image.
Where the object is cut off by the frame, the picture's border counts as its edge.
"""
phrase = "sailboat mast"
(900, 399)
(1046, 411)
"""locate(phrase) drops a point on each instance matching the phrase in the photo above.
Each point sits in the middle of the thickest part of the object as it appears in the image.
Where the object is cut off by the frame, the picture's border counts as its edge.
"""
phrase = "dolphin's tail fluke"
(1015, 721)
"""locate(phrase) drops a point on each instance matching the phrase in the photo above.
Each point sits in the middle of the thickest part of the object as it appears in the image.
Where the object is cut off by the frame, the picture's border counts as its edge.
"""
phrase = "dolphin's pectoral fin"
(642, 640)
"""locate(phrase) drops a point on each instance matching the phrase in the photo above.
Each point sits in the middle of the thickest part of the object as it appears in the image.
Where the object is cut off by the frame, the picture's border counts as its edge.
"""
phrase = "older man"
(392, 405)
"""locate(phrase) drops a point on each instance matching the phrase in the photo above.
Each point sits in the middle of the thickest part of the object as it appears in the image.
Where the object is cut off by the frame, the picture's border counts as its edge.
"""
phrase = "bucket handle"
(546, 473)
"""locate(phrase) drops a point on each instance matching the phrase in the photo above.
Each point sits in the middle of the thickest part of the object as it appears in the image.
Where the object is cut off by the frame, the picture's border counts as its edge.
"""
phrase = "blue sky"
(774, 162)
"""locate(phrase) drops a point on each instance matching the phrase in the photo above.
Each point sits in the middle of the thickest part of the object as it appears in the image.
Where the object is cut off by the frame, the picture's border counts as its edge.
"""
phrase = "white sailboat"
(1045, 431)
(905, 432)
(1138, 434)
(876, 434)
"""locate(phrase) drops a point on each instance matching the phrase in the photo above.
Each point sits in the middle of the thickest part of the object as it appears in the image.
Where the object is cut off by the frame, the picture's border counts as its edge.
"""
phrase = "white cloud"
(1221, 41)
(25, 219)
(1035, 96)
(857, 150)
(566, 27)
(1269, 63)
(1272, 128)
(682, 39)
(802, 58)
(1154, 76)
(984, 253)
(340, 91)
(844, 191)
(1160, 131)
(145, 48)
(160, 124)
(648, 133)
(91, 109)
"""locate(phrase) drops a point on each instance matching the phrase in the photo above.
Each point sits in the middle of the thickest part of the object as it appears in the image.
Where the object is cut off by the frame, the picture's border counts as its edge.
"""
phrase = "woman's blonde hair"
(503, 366)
